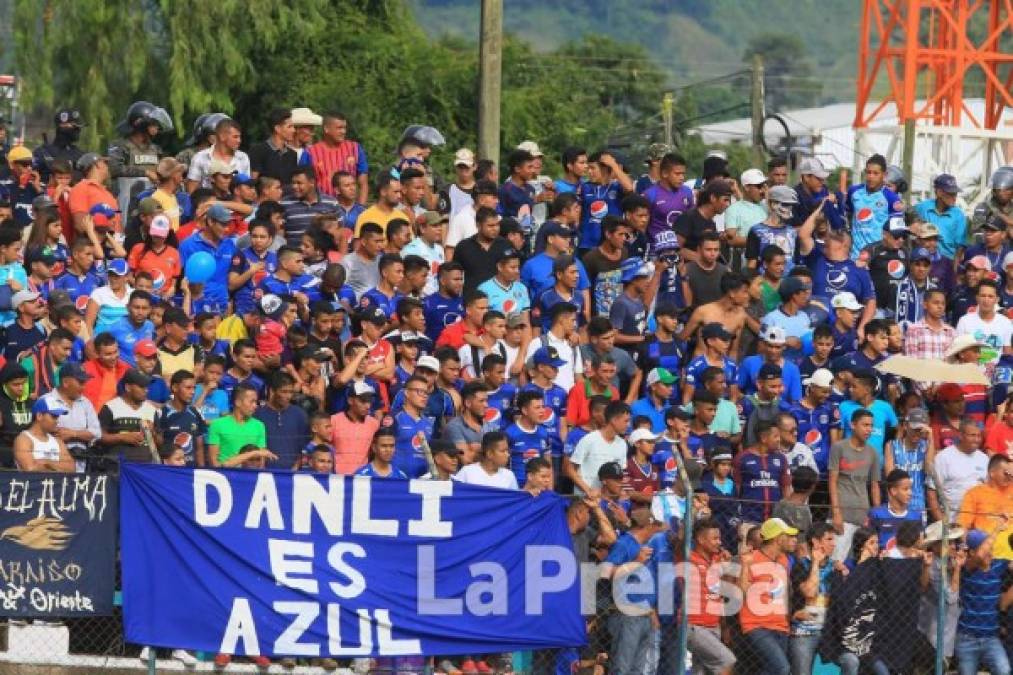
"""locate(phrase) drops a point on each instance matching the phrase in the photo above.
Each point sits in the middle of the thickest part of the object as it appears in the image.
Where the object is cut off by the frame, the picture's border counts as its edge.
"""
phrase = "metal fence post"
(687, 543)
(151, 661)
(944, 554)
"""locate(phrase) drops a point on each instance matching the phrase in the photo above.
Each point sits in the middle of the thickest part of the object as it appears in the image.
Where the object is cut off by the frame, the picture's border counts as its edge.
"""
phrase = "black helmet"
(68, 116)
(141, 114)
(198, 124)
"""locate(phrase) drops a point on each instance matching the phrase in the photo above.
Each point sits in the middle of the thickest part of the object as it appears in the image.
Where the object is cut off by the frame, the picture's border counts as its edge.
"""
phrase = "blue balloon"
(199, 267)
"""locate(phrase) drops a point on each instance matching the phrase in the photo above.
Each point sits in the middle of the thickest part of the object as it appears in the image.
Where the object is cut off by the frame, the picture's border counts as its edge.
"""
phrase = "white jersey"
(47, 450)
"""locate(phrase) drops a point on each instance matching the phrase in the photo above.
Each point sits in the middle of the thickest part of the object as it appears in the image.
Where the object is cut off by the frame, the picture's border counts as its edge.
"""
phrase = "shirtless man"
(729, 311)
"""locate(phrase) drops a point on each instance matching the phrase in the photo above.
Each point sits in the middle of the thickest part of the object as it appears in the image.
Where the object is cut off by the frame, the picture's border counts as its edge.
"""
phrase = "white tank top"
(47, 450)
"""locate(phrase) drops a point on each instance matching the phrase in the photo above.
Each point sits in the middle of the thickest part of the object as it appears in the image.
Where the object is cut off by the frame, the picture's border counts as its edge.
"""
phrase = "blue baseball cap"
(118, 266)
(633, 268)
(74, 371)
(921, 254)
(975, 538)
(548, 356)
(103, 210)
(946, 183)
(44, 406)
(240, 178)
(219, 213)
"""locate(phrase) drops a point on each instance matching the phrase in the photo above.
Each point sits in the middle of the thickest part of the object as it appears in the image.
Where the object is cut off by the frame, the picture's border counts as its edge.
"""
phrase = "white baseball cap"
(464, 156)
(643, 435)
(752, 177)
(846, 300)
(430, 362)
(532, 148)
(773, 334)
(821, 377)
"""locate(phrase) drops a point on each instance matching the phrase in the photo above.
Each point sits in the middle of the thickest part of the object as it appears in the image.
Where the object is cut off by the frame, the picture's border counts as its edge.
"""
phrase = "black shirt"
(691, 225)
(479, 264)
(268, 161)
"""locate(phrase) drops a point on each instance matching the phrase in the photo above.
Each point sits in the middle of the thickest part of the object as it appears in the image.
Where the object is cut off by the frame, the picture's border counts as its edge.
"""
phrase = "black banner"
(57, 544)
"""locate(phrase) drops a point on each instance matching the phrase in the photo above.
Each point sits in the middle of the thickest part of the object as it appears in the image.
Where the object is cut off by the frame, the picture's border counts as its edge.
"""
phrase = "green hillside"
(689, 39)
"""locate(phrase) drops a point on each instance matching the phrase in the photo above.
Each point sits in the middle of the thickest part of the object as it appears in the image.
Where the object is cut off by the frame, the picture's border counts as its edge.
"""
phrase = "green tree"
(788, 79)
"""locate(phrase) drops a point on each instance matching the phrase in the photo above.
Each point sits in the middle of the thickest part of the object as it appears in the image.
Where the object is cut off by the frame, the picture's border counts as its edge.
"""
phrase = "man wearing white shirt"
(228, 136)
(563, 336)
(959, 467)
(599, 447)
(462, 224)
(491, 469)
(988, 326)
(428, 246)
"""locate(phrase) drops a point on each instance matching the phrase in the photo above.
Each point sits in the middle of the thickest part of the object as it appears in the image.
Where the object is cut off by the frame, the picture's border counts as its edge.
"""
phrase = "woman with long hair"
(47, 234)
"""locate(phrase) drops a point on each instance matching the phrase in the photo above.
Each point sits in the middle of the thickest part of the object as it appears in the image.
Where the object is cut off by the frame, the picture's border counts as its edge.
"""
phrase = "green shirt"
(742, 215)
(231, 436)
(770, 296)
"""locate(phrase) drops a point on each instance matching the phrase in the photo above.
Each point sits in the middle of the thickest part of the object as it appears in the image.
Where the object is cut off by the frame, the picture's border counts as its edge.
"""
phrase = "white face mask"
(783, 211)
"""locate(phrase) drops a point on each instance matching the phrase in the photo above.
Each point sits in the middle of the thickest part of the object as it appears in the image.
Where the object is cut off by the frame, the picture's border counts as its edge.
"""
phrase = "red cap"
(949, 392)
(145, 348)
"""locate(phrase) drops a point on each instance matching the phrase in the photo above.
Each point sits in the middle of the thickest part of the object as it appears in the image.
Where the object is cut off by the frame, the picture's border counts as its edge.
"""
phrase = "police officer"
(202, 136)
(137, 154)
(68, 123)
(999, 203)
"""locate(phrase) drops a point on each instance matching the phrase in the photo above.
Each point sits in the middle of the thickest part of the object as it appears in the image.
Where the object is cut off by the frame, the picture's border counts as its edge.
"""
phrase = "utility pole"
(490, 59)
(758, 110)
(908, 152)
(666, 114)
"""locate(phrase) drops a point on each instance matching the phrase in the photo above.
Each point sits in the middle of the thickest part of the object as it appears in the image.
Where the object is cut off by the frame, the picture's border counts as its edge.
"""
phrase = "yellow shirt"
(232, 328)
(374, 215)
(980, 510)
(170, 207)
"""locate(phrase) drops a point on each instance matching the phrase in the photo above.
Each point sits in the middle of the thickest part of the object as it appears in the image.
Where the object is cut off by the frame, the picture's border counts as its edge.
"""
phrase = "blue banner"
(281, 564)
(57, 545)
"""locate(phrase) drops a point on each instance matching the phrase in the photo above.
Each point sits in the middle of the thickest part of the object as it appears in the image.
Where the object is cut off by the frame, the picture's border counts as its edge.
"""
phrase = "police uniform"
(45, 155)
(128, 159)
(988, 208)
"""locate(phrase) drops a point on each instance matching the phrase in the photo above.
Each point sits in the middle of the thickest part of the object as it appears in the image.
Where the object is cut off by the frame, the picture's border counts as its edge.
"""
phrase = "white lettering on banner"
(362, 521)
(50, 601)
(428, 603)
(496, 588)
(240, 627)
(536, 585)
(316, 502)
(430, 525)
(265, 500)
(57, 496)
(288, 642)
(290, 558)
(328, 503)
(356, 582)
(385, 642)
(203, 480)
(334, 646)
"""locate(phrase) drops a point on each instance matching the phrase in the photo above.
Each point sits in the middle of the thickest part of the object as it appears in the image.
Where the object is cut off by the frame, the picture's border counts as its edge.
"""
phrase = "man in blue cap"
(910, 291)
(211, 239)
(978, 645)
(628, 313)
(37, 448)
(942, 212)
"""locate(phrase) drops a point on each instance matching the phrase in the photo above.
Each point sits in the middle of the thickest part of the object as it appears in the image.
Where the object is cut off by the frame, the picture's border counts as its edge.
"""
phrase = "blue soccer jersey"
(555, 411)
(409, 456)
(524, 445)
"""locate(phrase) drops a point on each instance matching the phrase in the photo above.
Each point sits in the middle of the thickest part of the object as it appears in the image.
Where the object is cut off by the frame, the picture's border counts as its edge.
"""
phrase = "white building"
(826, 132)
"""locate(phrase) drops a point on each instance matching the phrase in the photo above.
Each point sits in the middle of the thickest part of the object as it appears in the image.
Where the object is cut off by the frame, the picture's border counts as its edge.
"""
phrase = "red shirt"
(453, 335)
(642, 478)
(578, 402)
(943, 434)
(329, 159)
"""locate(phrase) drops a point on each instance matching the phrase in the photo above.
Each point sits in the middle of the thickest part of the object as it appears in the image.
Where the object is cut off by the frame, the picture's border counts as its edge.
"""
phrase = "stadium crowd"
(599, 334)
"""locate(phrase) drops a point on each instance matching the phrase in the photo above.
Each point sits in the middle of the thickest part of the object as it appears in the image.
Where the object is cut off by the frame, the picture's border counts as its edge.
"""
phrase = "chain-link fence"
(742, 597)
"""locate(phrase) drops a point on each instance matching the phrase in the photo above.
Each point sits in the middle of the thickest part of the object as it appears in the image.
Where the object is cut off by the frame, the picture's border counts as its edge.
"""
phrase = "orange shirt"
(351, 442)
(165, 264)
(766, 601)
(704, 591)
(101, 388)
(980, 510)
(87, 194)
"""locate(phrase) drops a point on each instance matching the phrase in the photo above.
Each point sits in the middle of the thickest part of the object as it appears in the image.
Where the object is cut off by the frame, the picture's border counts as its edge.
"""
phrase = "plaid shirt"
(922, 342)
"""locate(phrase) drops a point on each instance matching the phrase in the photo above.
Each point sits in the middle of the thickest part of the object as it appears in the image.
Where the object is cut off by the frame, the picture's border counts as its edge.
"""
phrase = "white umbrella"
(933, 370)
